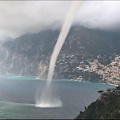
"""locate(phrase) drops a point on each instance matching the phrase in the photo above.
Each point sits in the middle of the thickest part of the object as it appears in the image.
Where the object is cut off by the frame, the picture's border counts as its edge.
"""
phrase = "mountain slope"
(29, 54)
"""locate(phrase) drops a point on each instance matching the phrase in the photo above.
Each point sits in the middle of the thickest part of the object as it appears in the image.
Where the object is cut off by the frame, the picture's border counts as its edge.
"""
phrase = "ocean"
(18, 97)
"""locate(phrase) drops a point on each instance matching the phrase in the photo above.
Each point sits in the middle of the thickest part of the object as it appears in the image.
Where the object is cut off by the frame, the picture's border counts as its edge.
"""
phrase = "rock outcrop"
(107, 106)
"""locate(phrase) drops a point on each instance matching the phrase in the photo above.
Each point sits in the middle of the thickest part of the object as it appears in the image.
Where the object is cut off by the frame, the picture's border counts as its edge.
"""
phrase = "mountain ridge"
(30, 54)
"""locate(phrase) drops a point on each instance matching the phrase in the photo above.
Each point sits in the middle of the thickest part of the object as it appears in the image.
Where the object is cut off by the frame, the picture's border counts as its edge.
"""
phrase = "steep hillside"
(29, 54)
(107, 106)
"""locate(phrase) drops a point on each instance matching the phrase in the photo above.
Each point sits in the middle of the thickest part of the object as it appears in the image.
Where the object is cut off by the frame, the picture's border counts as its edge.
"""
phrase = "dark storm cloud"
(19, 17)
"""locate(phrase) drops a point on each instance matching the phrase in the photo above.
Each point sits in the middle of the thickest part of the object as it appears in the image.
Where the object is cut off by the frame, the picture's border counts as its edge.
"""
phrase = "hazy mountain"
(29, 54)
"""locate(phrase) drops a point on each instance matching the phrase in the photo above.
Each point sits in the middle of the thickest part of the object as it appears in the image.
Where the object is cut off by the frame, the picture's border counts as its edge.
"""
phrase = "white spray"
(47, 98)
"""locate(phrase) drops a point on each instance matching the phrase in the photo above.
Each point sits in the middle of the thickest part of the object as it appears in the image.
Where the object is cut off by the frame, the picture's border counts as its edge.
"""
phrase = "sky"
(20, 17)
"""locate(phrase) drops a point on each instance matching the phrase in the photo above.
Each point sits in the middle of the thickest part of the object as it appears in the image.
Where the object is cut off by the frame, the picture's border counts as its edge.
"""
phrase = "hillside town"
(109, 73)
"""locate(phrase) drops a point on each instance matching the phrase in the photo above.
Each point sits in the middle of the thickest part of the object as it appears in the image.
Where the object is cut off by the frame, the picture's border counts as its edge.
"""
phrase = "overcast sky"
(20, 17)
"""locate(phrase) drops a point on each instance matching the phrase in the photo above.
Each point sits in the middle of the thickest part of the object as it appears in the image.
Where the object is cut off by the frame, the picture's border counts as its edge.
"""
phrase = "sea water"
(18, 96)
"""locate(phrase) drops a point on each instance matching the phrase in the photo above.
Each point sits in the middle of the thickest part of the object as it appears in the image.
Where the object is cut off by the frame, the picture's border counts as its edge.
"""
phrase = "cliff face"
(29, 54)
(107, 106)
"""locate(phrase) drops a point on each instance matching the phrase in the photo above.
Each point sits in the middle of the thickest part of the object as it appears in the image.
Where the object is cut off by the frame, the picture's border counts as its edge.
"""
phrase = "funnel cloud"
(47, 98)
(63, 34)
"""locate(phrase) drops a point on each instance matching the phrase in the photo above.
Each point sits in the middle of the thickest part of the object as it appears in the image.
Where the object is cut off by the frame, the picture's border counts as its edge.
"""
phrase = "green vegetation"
(107, 107)
(91, 76)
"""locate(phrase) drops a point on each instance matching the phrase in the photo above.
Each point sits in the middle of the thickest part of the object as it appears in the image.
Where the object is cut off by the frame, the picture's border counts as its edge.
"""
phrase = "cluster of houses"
(109, 73)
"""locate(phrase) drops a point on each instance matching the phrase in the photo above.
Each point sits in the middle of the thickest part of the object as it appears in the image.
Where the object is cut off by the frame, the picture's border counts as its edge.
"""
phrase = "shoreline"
(36, 78)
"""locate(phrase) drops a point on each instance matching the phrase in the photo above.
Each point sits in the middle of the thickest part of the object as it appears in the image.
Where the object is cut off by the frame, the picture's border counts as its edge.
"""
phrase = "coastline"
(113, 83)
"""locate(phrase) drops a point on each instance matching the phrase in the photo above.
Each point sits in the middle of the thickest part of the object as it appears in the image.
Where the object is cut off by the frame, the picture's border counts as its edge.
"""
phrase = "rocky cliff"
(107, 106)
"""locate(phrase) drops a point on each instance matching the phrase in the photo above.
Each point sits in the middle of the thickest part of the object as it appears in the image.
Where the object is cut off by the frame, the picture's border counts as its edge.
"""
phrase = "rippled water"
(18, 97)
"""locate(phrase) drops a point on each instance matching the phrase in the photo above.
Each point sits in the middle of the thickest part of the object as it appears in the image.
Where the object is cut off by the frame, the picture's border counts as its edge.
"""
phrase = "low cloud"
(100, 14)
(20, 17)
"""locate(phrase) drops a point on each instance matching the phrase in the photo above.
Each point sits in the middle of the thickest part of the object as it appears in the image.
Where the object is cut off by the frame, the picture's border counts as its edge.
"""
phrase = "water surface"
(18, 94)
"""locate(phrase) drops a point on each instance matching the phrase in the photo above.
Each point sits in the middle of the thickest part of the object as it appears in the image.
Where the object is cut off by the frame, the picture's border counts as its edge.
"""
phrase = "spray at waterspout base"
(49, 99)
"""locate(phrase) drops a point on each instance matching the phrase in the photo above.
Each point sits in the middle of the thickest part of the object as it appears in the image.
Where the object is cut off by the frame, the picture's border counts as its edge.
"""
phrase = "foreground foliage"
(106, 106)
